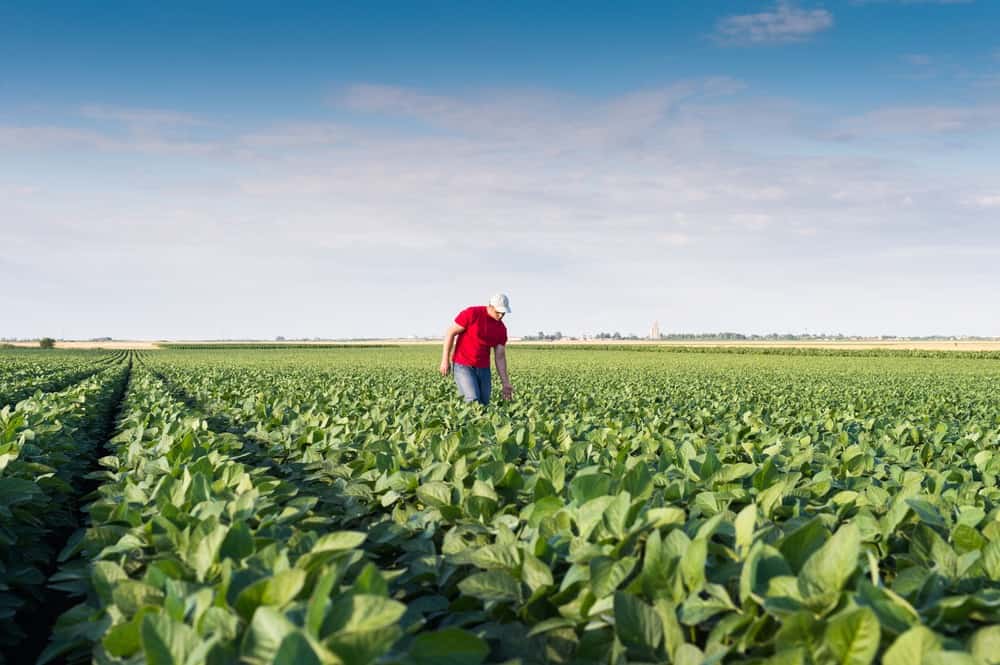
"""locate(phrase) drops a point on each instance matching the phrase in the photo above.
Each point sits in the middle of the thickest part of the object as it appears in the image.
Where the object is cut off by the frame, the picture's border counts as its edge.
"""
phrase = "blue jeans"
(474, 383)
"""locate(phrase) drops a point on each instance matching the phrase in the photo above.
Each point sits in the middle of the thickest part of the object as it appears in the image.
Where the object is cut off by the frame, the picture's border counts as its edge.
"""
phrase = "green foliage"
(25, 372)
(46, 447)
(343, 506)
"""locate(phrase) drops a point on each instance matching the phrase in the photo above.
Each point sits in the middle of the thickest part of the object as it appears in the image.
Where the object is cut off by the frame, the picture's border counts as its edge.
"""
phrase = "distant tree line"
(743, 337)
(542, 335)
(734, 336)
(617, 335)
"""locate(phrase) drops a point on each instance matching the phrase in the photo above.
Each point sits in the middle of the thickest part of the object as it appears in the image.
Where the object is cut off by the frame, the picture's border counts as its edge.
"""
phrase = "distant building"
(654, 332)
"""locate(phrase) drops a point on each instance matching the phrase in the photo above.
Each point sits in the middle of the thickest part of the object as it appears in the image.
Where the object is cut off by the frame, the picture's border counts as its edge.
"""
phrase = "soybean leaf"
(853, 638)
(636, 623)
(450, 646)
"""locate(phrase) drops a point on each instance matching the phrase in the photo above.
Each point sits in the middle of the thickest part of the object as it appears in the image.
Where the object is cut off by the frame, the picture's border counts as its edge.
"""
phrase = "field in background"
(342, 505)
(87, 345)
(860, 345)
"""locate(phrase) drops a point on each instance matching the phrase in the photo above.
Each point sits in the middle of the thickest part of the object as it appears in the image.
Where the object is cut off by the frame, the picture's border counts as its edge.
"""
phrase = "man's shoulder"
(470, 316)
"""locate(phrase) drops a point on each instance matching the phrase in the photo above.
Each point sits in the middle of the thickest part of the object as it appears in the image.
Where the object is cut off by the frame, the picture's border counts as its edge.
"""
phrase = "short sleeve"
(464, 317)
(503, 336)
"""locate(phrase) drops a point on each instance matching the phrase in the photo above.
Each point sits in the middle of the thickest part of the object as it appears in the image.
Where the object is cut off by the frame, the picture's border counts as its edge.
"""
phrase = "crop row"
(24, 364)
(643, 516)
(22, 376)
(197, 553)
(46, 449)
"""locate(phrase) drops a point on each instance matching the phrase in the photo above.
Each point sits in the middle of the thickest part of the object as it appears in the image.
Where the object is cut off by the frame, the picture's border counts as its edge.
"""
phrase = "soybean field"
(343, 506)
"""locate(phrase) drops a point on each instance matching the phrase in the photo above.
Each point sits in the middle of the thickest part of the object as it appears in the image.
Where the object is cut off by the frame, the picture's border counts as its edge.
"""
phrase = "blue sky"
(311, 169)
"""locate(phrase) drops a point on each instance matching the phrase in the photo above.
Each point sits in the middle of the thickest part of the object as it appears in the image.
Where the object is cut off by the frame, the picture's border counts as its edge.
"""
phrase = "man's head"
(499, 306)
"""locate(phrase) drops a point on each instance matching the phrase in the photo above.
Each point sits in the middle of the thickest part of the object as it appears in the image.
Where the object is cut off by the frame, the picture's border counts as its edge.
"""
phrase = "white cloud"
(140, 117)
(538, 117)
(144, 131)
(985, 201)
(785, 23)
(752, 221)
(926, 120)
(298, 135)
(42, 136)
(554, 195)
(49, 137)
(917, 59)
(938, 251)
(9, 191)
(674, 239)
(765, 193)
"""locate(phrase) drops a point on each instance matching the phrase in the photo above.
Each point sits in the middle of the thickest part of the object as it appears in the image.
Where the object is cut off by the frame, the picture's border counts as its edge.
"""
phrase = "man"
(478, 330)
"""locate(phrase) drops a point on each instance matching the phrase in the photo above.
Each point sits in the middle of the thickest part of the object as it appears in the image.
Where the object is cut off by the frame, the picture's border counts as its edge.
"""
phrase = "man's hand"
(445, 368)
(500, 354)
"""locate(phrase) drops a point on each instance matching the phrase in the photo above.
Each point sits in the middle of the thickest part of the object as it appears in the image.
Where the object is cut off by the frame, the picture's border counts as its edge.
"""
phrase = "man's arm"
(449, 341)
(500, 355)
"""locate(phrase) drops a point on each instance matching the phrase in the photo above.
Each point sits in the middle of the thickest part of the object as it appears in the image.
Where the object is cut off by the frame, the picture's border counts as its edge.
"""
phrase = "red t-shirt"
(482, 333)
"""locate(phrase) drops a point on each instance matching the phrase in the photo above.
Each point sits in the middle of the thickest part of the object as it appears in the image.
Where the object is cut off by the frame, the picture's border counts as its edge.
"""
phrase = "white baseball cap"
(501, 303)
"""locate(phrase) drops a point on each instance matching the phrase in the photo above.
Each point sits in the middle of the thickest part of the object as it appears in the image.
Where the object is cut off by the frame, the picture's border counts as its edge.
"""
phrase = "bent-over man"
(477, 330)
